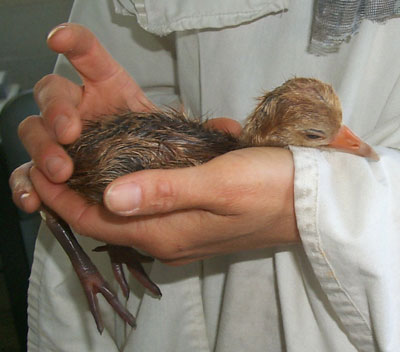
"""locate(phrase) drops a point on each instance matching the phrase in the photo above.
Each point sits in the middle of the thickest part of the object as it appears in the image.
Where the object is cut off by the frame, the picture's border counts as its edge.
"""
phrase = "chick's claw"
(95, 283)
(132, 259)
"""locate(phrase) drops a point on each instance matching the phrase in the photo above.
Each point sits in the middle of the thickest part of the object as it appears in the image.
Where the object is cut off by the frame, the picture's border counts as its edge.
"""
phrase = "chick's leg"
(91, 279)
(126, 255)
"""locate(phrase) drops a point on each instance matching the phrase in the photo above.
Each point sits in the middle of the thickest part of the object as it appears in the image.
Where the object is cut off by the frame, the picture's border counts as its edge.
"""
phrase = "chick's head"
(303, 112)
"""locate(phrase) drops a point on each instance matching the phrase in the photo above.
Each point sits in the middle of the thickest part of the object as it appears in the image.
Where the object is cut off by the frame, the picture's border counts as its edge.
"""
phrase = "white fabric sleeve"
(348, 215)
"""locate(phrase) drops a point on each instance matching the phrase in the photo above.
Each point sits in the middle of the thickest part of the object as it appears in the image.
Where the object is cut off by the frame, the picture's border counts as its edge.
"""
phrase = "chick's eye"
(314, 134)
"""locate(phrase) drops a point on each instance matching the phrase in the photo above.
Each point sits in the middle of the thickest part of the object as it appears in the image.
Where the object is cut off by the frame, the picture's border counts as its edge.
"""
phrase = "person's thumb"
(150, 192)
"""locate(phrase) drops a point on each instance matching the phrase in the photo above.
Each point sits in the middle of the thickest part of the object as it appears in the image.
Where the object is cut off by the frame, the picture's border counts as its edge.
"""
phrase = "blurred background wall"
(24, 25)
(24, 59)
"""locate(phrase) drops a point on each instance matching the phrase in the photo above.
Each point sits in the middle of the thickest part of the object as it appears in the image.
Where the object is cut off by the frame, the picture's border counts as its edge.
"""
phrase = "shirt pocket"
(162, 17)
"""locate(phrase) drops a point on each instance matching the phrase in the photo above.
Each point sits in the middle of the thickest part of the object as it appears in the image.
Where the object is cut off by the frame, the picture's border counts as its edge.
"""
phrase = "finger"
(58, 100)
(23, 193)
(83, 50)
(94, 64)
(88, 220)
(147, 192)
(58, 197)
(50, 157)
(161, 191)
(226, 185)
(225, 124)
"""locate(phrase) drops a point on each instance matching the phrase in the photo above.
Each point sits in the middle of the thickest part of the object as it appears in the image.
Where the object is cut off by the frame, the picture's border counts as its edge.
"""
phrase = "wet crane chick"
(301, 112)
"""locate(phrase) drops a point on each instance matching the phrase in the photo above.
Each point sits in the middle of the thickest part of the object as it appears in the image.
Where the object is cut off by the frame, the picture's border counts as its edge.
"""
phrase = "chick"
(303, 112)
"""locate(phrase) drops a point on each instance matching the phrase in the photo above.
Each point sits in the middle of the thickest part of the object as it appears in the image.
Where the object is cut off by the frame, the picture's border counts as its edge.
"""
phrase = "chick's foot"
(91, 279)
(132, 259)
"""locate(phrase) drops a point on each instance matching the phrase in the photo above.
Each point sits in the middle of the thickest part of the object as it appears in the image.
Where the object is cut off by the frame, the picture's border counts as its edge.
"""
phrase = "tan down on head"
(302, 112)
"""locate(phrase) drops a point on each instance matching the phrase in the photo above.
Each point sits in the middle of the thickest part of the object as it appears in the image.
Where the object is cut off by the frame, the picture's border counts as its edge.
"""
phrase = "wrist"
(282, 228)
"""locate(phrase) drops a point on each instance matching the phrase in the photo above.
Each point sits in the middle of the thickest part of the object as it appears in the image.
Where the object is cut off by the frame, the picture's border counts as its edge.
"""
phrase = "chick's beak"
(346, 141)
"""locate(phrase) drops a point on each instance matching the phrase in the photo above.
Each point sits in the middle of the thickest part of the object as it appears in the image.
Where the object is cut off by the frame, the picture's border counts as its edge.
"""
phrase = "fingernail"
(60, 124)
(55, 30)
(24, 198)
(124, 199)
(54, 165)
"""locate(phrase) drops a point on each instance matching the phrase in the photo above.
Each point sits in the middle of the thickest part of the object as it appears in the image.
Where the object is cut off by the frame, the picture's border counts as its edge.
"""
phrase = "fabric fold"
(164, 17)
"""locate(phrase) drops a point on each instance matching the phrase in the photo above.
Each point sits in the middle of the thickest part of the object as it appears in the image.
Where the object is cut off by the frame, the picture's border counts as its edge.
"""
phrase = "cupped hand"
(241, 200)
(106, 88)
(238, 201)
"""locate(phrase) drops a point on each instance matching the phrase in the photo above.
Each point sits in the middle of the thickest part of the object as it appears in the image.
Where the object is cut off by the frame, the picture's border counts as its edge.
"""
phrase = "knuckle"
(13, 180)
(164, 189)
(47, 90)
(51, 109)
(22, 129)
(164, 196)
(19, 179)
(45, 82)
(25, 126)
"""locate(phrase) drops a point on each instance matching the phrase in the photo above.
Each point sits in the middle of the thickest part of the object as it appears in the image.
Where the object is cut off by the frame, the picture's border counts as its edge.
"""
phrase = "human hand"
(238, 201)
(106, 88)
(235, 221)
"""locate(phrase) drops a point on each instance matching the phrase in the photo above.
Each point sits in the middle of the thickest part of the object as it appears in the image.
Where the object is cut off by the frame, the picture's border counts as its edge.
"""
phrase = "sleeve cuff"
(306, 192)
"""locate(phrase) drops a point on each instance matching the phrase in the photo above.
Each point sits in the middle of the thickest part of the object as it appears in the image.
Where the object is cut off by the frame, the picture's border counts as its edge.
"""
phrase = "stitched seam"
(325, 262)
(329, 265)
(319, 261)
(205, 16)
